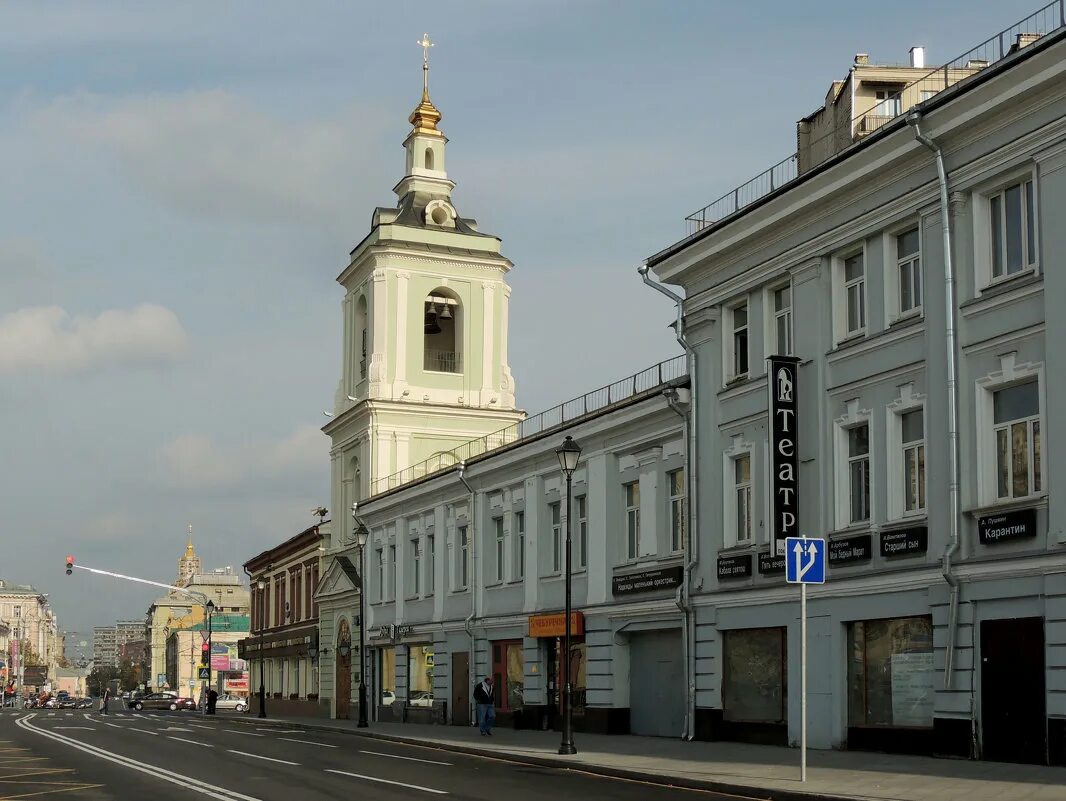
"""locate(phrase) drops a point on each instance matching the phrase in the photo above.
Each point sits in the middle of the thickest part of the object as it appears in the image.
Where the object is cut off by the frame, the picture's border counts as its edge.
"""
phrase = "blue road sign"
(804, 560)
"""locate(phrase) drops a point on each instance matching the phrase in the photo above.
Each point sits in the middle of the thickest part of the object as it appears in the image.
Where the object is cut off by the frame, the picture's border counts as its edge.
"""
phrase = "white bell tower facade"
(425, 331)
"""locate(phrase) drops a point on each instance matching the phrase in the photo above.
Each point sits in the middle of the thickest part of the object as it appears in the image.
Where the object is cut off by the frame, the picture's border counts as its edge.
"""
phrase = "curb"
(752, 792)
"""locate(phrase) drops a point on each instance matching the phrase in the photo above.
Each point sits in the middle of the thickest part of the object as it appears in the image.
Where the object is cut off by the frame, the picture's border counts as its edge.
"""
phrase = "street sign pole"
(803, 682)
(804, 564)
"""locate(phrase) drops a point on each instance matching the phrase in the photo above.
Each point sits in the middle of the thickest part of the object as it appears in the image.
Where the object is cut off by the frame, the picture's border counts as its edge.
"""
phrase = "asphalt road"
(83, 756)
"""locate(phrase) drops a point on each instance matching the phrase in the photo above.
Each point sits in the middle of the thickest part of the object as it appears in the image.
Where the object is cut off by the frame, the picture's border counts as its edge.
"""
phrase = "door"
(460, 688)
(344, 671)
(1013, 718)
(656, 684)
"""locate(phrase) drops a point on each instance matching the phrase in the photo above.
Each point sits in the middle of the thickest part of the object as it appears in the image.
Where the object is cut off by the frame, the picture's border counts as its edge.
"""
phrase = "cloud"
(214, 155)
(48, 338)
(196, 461)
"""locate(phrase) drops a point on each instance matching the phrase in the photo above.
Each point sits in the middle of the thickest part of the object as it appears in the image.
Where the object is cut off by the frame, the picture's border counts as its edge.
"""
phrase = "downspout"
(914, 119)
(683, 599)
(468, 624)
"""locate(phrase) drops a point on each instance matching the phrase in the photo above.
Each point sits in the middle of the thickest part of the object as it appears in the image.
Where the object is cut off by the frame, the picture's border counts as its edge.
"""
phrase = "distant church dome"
(189, 564)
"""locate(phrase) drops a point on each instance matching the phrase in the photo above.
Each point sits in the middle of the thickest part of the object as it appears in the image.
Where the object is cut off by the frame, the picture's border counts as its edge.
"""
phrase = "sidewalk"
(754, 770)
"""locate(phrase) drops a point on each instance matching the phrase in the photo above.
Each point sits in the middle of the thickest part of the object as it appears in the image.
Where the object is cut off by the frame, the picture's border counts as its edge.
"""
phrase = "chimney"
(1023, 40)
(862, 59)
(917, 56)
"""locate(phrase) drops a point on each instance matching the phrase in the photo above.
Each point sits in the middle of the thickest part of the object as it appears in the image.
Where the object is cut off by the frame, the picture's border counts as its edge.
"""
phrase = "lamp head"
(361, 535)
(569, 453)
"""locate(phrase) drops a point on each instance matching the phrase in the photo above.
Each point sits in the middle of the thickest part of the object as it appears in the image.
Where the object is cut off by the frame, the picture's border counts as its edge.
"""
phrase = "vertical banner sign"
(783, 381)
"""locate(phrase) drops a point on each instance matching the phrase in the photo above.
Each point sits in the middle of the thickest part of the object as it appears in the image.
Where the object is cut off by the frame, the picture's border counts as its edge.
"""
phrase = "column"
(488, 339)
(400, 312)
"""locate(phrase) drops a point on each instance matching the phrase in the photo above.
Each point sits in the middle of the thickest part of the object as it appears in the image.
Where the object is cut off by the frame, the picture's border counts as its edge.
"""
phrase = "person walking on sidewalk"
(485, 698)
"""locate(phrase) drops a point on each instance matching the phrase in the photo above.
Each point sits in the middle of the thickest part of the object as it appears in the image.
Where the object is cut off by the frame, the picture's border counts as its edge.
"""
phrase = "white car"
(388, 697)
(234, 702)
(421, 698)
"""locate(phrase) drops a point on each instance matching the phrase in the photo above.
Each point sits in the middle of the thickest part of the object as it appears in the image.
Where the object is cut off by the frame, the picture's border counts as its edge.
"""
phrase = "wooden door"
(460, 688)
(344, 671)
(1013, 717)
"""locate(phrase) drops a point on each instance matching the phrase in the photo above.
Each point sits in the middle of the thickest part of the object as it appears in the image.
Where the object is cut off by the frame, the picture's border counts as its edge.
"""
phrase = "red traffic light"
(70, 565)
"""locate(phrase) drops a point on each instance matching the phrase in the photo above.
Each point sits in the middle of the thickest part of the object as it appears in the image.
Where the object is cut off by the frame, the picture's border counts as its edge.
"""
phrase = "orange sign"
(555, 625)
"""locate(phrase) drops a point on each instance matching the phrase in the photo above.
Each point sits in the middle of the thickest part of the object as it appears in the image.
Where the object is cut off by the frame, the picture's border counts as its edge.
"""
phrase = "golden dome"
(425, 117)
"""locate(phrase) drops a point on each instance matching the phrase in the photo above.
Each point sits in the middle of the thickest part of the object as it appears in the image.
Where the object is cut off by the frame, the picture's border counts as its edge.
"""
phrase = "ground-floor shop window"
(387, 674)
(754, 676)
(420, 675)
(508, 674)
(890, 672)
(578, 652)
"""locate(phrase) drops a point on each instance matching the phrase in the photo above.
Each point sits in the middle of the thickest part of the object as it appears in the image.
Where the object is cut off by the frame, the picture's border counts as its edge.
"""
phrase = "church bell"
(431, 326)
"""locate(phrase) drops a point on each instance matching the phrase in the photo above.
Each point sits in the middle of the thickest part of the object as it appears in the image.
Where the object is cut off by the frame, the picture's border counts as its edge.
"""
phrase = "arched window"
(361, 323)
(443, 332)
(429, 158)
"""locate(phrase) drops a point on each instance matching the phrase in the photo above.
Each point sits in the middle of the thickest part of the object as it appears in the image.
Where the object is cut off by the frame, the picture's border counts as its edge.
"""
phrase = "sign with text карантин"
(783, 383)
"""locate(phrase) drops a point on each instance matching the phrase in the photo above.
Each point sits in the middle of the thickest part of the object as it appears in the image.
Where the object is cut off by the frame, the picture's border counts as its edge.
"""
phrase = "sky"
(182, 183)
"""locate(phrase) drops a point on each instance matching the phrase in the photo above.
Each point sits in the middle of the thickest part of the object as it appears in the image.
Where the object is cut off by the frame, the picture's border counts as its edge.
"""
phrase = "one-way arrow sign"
(805, 560)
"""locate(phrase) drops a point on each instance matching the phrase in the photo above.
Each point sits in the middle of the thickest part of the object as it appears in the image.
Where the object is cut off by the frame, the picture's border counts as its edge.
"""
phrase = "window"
(416, 566)
(1012, 220)
(297, 594)
(740, 341)
(520, 544)
(392, 572)
(859, 472)
(854, 295)
(909, 270)
(497, 524)
(890, 672)
(581, 502)
(379, 556)
(742, 494)
(632, 492)
(1016, 420)
(431, 562)
(676, 481)
(464, 558)
(314, 589)
(913, 433)
(754, 676)
(443, 335)
(888, 103)
(783, 321)
(508, 673)
(557, 536)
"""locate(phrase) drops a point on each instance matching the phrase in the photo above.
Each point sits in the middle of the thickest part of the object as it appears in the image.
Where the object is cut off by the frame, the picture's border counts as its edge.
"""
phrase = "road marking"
(151, 770)
(268, 759)
(410, 759)
(387, 781)
(198, 726)
(144, 731)
(176, 728)
(79, 728)
(308, 742)
(245, 733)
(190, 742)
(282, 731)
(112, 725)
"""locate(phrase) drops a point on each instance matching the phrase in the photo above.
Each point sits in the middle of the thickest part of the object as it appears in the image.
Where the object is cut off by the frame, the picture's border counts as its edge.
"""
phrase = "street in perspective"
(608, 499)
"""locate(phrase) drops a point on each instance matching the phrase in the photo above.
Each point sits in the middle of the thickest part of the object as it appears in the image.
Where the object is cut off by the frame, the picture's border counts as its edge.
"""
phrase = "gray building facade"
(942, 627)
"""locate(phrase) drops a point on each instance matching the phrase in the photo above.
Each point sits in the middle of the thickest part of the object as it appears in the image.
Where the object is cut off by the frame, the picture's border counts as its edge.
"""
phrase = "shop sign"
(858, 548)
(905, 541)
(784, 451)
(391, 632)
(664, 578)
(235, 684)
(1007, 526)
(555, 625)
(771, 564)
(732, 567)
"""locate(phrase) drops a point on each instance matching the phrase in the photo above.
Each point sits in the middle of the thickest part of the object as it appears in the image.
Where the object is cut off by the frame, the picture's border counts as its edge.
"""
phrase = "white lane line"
(79, 728)
(308, 742)
(145, 731)
(268, 759)
(151, 770)
(198, 726)
(190, 742)
(387, 781)
(112, 725)
(409, 759)
(282, 731)
(246, 733)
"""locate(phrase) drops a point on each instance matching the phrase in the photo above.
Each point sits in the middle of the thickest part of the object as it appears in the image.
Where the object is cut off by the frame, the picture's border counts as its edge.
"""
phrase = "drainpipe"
(914, 119)
(468, 624)
(683, 599)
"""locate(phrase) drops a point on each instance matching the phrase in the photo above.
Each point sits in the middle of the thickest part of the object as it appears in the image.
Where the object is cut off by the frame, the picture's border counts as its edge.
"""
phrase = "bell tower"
(425, 327)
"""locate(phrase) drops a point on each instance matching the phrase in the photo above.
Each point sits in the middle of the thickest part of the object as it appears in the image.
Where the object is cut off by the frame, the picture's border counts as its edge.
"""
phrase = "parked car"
(83, 703)
(67, 702)
(234, 702)
(171, 701)
(388, 697)
(421, 698)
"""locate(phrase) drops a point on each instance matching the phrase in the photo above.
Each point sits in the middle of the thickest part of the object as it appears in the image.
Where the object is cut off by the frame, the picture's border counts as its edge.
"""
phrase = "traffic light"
(70, 565)
(205, 655)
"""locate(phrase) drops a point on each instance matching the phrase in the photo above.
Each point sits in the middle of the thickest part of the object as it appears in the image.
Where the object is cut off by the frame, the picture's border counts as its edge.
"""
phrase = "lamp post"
(569, 453)
(260, 585)
(209, 608)
(361, 535)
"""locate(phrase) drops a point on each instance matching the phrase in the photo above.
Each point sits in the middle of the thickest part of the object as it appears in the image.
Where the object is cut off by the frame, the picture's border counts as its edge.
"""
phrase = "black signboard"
(771, 564)
(664, 578)
(1006, 526)
(905, 541)
(732, 567)
(857, 548)
(783, 382)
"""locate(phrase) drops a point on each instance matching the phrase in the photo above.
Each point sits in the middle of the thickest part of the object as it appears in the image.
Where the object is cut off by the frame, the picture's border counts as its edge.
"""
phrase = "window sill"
(865, 527)
(850, 339)
(459, 591)
(910, 317)
(1030, 502)
(906, 522)
(492, 585)
(748, 546)
(549, 577)
(1007, 282)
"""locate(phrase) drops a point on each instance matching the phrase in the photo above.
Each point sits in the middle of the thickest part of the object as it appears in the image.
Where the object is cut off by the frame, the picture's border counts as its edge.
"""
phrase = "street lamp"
(361, 535)
(569, 453)
(209, 608)
(260, 585)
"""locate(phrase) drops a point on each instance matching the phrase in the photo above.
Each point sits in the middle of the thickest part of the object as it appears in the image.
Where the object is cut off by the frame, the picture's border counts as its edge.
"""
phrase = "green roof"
(224, 623)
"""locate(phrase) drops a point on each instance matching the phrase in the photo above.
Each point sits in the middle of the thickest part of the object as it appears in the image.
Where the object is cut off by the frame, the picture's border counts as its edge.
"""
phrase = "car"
(388, 697)
(234, 702)
(67, 702)
(83, 703)
(171, 701)
(420, 698)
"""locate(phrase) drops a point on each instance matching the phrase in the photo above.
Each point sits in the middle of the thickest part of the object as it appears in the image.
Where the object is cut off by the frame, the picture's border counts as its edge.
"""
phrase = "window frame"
(841, 333)
(1010, 375)
(431, 562)
(677, 502)
(379, 554)
(893, 266)
(861, 460)
(416, 565)
(739, 448)
(896, 457)
(1034, 458)
(581, 504)
(499, 538)
(729, 361)
(518, 520)
(631, 504)
(462, 538)
(391, 573)
(772, 315)
(842, 472)
(981, 200)
(555, 524)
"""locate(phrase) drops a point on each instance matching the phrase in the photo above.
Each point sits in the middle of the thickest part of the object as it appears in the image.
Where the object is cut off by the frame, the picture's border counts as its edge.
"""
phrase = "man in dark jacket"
(485, 698)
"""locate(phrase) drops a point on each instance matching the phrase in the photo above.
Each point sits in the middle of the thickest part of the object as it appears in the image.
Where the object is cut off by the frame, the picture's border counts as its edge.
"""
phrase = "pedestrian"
(485, 698)
(212, 701)
(104, 701)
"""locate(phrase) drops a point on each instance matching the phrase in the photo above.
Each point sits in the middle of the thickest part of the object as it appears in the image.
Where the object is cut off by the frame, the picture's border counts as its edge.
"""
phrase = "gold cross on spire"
(426, 44)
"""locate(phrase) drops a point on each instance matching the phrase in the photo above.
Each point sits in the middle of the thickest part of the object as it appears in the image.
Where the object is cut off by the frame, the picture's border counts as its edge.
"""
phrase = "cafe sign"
(905, 541)
(993, 529)
(784, 451)
(555, 625)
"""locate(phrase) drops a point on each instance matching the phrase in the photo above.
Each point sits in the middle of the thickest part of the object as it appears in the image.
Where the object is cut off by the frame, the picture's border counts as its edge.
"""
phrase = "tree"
(100, 678)
(30, 658)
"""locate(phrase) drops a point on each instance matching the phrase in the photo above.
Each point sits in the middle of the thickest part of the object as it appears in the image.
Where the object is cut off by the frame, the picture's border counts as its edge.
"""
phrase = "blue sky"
(183, 182)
